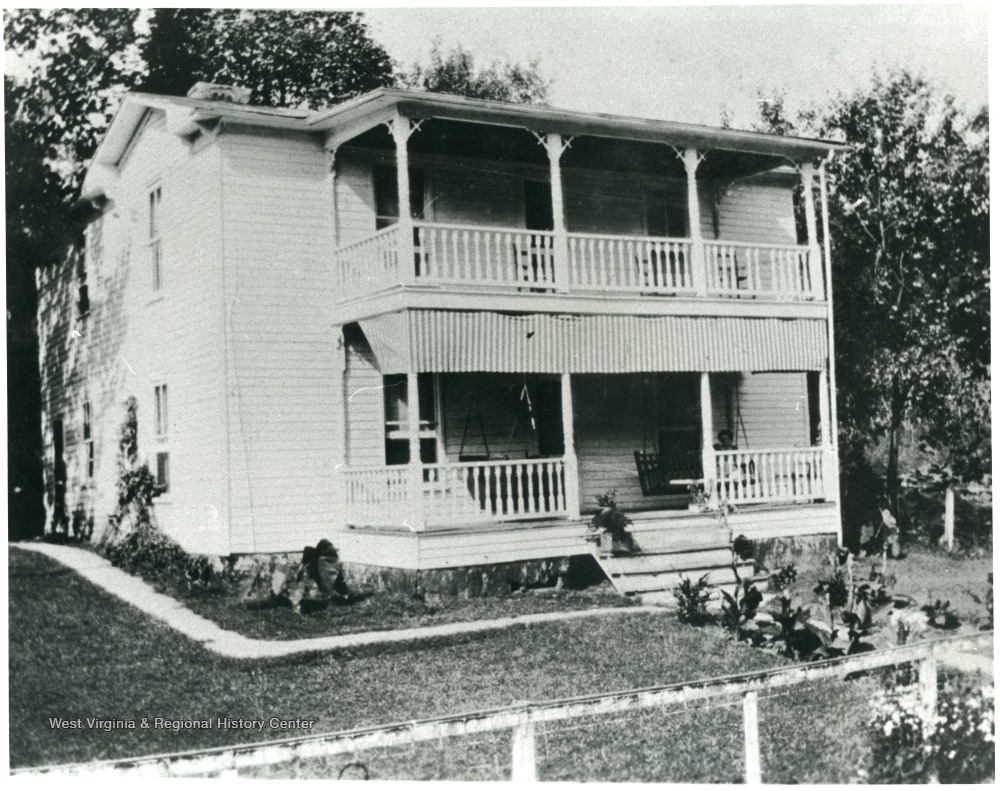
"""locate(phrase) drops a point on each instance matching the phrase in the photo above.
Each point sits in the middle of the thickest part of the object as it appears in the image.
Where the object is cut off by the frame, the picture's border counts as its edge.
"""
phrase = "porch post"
(554, 146)
(831, 357)
(401, 129)
(815, 271)
(699, 268)
(340, 407)
(571, 471)
(829, 458)
(415, 518)
(707, 438)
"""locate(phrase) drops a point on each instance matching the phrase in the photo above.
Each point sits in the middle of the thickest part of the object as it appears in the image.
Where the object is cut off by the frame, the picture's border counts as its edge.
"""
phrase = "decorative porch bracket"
(401, 128)
(699, 269)
(555, 145)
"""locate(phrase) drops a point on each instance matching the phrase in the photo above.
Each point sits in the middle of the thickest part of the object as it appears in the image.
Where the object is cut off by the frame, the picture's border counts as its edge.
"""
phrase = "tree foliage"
(910, 230)
(307, 59)
(456, 73)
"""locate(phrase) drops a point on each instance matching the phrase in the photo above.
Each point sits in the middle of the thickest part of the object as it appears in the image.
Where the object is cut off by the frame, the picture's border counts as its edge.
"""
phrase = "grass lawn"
(77, 652)
(382, 611)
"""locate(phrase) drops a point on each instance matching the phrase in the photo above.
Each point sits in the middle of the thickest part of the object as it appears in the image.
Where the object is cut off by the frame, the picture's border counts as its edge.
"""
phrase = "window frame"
(88, 439)
(154, 219)
(161, 432)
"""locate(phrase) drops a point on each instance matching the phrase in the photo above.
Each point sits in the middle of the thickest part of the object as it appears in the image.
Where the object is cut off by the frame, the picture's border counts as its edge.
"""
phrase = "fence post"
(927, 690)
(523, 751)
(751, 738)
(948, 539)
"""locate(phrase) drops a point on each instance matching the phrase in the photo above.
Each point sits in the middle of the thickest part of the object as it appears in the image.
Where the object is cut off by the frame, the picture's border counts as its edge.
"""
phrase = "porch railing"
(737, 269)
(369, 266)
(456, 492)
(630, 263)
(771, 476)
(444, 254)
(492, 256)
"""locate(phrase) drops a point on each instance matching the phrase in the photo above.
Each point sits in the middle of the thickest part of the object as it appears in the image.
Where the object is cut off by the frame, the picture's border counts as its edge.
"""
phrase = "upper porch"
(534, 206)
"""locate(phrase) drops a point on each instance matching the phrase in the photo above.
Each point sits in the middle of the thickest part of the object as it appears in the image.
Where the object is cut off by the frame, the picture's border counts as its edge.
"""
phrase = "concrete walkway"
(139, 594)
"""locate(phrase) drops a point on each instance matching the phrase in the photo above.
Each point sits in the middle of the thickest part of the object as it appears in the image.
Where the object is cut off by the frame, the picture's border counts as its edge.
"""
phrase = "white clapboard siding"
(280, 349)
(355, 198)
(756, 211)
(775, 411)
(363, 398)
(135, 339)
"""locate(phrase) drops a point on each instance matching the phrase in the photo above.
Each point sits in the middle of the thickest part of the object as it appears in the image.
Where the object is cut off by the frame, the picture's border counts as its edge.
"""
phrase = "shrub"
(613, 522)
(783, 578)
(148, 553)
(692, 600)
(956, 747)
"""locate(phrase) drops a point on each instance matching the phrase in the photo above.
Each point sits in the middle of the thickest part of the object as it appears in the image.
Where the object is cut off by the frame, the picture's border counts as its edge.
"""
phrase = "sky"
(689, 63)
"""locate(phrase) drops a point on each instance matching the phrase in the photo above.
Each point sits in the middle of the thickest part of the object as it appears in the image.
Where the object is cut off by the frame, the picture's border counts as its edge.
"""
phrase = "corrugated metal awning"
(458, 341)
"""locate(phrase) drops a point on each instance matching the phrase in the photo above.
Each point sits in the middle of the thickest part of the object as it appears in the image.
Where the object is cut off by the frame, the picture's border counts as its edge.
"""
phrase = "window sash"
(161, 410)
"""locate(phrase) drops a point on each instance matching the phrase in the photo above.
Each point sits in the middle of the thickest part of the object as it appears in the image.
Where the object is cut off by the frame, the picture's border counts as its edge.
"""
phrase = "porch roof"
(459, 341)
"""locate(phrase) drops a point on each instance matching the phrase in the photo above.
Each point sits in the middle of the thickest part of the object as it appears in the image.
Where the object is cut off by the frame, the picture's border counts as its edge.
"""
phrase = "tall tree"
(456, 73)
(911, 276)
(287, 58)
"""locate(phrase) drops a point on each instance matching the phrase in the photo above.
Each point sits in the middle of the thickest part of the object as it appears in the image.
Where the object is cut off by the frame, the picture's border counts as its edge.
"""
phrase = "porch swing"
(491, 489)
(657, 468)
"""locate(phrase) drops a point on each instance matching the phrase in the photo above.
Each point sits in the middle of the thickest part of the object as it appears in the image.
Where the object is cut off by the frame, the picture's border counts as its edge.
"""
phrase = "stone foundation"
(777, 552)
(264, 575)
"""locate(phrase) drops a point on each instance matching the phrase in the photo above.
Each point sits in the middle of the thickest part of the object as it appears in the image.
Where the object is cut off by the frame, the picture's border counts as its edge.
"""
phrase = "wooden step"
(655, 538)
(666, 581)
(668, 561)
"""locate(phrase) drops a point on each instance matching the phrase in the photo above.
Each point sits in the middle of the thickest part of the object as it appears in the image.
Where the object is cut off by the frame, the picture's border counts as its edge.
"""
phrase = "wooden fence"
(522, 719)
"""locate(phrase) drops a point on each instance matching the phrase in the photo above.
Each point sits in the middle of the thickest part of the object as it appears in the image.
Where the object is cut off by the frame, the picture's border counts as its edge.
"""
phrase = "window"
(155, 250)
(89, 262)
(397, 440)
(666, 215)
(88, 439)
(161, 410)
(387, 196)
(163, 472)
(162, 429)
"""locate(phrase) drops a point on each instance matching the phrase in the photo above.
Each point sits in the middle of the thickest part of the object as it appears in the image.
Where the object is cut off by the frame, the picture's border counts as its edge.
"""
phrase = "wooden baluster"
(522, 486)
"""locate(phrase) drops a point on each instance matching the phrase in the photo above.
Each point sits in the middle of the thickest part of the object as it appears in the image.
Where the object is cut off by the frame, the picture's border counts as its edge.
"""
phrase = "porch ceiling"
(511, 144)
(459, 341)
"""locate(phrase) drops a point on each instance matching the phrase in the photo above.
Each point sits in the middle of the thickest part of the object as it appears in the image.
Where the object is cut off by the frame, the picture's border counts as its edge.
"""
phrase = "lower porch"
(478, 449)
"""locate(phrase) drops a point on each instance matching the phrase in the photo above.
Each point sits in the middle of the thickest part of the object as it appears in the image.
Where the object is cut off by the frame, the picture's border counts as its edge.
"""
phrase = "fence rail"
(522, 719)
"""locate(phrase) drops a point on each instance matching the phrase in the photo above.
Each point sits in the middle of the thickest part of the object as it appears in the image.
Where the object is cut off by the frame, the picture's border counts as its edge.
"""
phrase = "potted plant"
(611, 525)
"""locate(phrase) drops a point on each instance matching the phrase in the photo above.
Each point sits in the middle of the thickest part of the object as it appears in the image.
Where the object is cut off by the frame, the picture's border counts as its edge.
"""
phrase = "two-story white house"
(434, 330)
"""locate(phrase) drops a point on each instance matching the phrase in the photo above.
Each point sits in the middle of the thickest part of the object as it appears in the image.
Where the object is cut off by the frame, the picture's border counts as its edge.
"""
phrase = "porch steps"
(666, 555)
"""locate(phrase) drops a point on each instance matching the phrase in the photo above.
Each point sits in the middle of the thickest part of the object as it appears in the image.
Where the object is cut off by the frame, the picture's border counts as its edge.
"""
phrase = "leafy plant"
(985, 622)
(941, 616)
(783, 578)
(744, 548)
(692, 600)
(739, 609)
(613, 523)
(834, 588)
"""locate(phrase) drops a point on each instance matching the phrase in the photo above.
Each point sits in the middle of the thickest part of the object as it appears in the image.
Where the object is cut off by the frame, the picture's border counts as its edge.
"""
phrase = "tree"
(309, 59)
(909, 216)
(456, 73)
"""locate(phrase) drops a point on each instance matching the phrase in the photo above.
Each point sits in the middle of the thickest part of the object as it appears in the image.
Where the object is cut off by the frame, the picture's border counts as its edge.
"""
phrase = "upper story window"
(161, 410)
(90, 261)
(387, 196)
(155, 250)
(666, 215)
